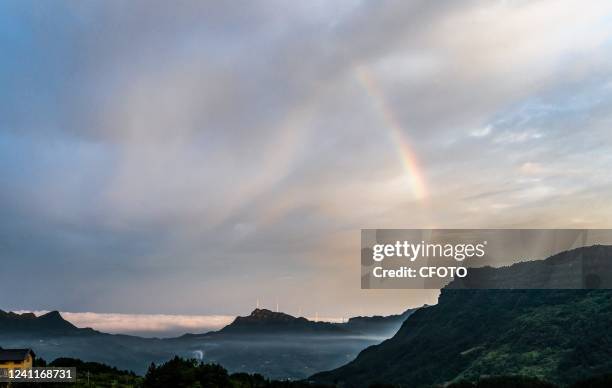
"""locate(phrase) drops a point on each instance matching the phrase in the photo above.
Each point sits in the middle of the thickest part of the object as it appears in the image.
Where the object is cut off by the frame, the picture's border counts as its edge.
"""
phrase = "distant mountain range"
(259, 322)
(49, 324)
(265, 321)
(558, 335)
(377, 324)
(275, 344)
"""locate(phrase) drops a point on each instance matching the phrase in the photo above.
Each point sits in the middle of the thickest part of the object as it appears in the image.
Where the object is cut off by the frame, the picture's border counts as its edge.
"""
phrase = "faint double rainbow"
(400, 141)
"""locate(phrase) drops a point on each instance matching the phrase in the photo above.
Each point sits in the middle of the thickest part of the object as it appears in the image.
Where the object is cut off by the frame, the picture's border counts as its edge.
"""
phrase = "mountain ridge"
(558, 335)
(586, 267)
(263, 320)
(51, 323)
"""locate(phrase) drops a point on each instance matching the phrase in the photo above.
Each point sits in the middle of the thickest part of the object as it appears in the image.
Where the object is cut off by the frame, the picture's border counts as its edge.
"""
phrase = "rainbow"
(407, 156)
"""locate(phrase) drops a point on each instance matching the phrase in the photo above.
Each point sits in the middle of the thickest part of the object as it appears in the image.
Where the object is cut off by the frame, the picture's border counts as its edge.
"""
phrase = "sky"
(191, 157)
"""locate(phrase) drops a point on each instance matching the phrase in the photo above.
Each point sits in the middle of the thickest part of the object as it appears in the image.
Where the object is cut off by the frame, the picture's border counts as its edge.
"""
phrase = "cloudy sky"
(190, 157)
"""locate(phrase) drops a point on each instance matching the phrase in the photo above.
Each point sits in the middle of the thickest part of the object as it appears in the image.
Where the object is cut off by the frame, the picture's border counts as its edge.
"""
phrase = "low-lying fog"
(274, 356)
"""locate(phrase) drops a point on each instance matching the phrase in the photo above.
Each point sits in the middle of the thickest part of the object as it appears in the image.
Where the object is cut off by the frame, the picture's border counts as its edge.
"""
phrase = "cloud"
(153, 325)
(482, 132)
(173, 159)
(518, 137)
(148, 325)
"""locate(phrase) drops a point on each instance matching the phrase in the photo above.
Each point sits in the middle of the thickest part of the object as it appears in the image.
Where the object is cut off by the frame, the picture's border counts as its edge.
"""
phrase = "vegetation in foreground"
(183, 373)
(89, 374)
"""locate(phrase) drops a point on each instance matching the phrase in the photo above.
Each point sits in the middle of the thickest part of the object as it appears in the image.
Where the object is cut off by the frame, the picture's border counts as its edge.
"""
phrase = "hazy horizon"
(164, 325)
(191, 158)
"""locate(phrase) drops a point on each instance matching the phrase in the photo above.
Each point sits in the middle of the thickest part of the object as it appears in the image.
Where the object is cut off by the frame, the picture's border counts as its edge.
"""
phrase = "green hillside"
(557, 335)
